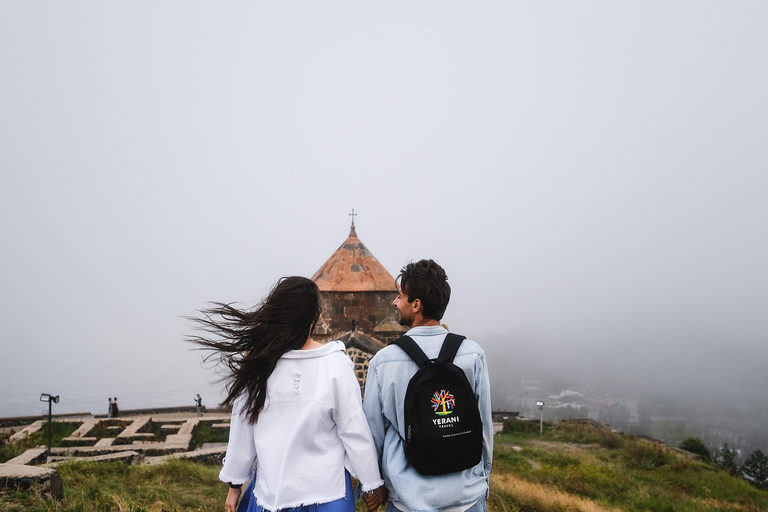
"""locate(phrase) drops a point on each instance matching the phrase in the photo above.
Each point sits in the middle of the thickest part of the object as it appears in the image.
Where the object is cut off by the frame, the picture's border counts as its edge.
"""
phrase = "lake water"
(140, 378)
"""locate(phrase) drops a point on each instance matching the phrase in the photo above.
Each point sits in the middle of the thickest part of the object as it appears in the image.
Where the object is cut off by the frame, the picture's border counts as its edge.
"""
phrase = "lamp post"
(45, 397)
(540, 405)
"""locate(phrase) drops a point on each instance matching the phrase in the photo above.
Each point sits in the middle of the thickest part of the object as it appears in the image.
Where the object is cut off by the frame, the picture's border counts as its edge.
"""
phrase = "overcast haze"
(592, 175)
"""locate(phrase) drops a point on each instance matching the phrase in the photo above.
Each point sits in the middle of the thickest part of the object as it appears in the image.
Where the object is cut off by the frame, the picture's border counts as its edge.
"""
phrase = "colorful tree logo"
(443, 402)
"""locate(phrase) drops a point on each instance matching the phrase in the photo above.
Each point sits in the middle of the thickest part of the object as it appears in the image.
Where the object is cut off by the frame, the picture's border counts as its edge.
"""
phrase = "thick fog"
(592, 176)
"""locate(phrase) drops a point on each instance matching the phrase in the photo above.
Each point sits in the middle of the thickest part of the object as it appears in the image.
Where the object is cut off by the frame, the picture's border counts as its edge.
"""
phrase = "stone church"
(356, 294)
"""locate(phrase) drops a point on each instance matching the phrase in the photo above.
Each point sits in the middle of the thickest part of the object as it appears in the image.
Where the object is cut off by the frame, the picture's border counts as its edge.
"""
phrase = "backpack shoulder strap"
(450, 346)
(412, 349)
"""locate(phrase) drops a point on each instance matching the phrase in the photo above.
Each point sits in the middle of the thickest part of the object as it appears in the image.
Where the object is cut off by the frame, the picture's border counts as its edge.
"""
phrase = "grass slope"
(569, 468)
(582, 468)
(113, 486)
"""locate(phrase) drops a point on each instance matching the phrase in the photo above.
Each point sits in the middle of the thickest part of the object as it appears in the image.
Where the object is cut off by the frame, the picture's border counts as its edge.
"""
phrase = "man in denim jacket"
(423, 295)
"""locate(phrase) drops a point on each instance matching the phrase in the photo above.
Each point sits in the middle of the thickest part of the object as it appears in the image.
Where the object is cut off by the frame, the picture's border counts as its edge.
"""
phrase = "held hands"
(375, 498)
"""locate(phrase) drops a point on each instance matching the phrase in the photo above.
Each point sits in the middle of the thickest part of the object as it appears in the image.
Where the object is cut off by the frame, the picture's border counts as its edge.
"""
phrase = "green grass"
(10, 450)
(609, 471)
(114, 486)
(205, 434)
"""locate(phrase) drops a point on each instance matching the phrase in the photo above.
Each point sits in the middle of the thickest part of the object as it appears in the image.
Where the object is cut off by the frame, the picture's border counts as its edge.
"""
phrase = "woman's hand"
(232, 497)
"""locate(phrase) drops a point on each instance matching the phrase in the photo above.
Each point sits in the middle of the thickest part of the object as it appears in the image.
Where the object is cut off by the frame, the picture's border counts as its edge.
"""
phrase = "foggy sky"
(592, 176)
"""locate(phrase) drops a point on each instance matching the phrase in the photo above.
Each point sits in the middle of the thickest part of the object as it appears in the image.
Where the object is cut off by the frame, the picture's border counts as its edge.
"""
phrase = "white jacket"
(311, 428)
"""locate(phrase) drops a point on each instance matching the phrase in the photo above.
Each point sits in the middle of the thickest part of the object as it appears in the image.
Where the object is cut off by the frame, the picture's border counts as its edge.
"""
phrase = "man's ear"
(416, 305)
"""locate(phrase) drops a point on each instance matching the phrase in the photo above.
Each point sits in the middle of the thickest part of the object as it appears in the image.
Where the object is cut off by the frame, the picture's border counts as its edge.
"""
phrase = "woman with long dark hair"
(296, 406)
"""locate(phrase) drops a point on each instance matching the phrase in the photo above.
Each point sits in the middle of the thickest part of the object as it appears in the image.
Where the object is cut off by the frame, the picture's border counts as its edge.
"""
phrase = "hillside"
(583, 468)
(569, 468)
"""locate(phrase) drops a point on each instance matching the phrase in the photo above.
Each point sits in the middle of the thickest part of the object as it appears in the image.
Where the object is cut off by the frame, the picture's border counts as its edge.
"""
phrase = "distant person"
(109, 409)
(115, 408)
(423, 295)
(199, 405)
(296, 407)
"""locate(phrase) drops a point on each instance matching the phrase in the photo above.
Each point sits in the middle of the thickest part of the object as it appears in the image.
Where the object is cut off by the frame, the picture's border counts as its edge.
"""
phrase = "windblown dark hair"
(250, 343)
(426, 280)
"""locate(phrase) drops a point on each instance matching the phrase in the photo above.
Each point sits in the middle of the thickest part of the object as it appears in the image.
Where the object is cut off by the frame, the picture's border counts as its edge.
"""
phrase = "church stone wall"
(364, 311)
(360, 359)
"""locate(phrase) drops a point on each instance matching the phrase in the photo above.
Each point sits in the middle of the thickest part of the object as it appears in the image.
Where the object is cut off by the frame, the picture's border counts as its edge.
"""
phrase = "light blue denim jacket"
(388, 374)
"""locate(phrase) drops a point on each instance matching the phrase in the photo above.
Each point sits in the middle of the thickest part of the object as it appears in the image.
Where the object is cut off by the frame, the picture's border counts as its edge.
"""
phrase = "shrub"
(697, 446)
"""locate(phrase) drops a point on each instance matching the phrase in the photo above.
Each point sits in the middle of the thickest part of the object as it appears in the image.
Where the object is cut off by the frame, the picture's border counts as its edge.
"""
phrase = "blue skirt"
(248, 502)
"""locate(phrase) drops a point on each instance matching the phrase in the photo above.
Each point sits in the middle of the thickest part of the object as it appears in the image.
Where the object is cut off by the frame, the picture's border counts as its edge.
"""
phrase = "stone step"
(31, 456)
(183, 438)
(207, 446)
(27, 431)
(85, 427)
(129, 457)
(131, 431)
(150, 448)
(206, 456)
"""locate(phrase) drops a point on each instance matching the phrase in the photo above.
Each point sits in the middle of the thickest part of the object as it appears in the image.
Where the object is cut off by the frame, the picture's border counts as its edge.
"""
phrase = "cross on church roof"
(353, 216)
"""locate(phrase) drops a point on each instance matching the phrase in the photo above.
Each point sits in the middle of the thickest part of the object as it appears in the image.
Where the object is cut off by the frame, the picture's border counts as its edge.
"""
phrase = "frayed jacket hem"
(370, 487)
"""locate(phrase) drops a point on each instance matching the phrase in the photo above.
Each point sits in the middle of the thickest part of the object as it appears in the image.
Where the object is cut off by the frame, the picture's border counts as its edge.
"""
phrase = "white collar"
(331, 346)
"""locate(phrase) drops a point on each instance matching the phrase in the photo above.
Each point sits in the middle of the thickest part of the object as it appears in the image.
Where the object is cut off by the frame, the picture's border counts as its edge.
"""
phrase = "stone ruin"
(146, 439)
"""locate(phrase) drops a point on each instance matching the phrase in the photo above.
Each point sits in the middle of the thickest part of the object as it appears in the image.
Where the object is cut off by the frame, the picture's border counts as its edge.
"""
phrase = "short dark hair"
(426, 280)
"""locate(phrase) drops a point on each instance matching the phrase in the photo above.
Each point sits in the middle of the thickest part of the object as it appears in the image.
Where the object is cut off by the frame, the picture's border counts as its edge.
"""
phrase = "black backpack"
(443, 430)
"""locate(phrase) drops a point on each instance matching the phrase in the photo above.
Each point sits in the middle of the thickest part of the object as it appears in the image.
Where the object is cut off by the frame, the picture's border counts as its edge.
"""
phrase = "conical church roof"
(352, 268)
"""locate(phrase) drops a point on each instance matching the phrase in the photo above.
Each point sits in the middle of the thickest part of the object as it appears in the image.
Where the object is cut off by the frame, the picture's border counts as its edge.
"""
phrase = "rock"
(14, 476)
